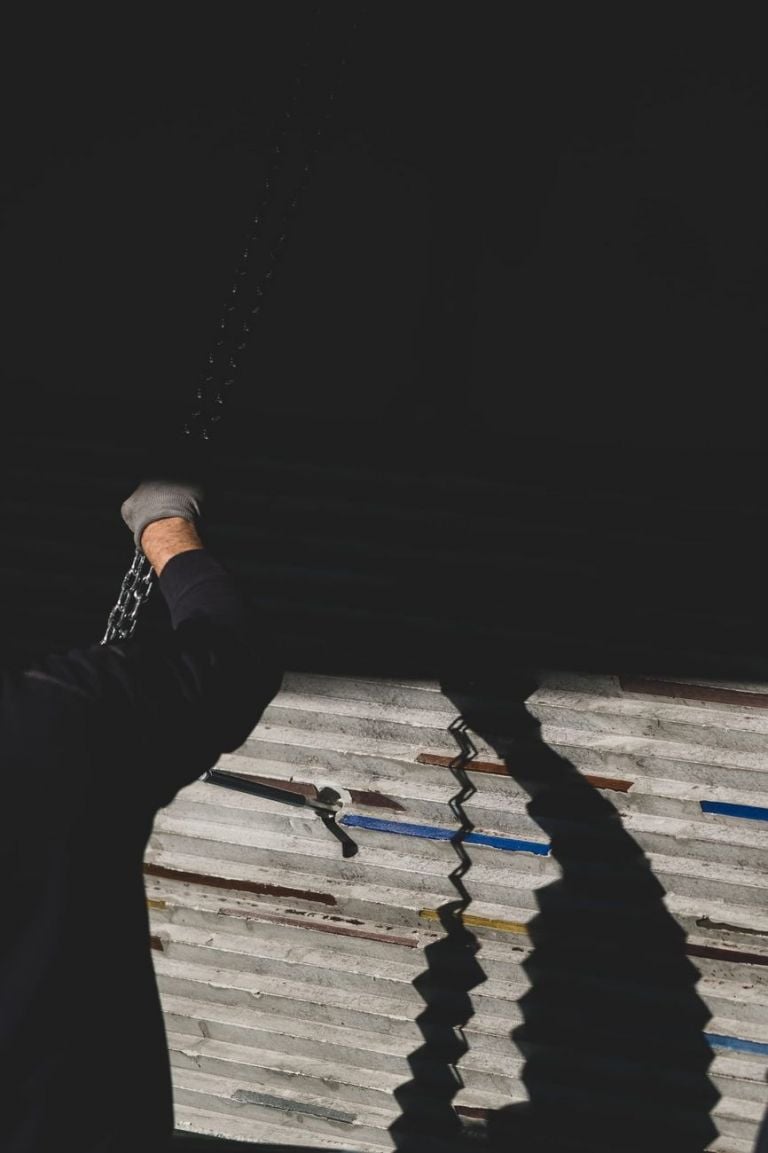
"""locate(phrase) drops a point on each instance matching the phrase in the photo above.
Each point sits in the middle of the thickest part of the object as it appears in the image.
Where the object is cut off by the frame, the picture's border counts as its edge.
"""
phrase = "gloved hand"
(156, 499)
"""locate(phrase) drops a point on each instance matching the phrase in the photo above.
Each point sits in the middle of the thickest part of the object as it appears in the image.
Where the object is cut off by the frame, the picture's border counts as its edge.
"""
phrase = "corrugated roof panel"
(574, 929)
(550, 923)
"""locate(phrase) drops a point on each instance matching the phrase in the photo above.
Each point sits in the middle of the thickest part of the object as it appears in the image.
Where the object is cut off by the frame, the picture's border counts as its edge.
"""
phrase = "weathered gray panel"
(293, 978)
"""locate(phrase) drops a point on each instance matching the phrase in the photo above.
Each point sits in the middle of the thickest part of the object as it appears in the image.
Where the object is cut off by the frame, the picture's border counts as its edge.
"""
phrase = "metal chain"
(134, 592)
(239, 315)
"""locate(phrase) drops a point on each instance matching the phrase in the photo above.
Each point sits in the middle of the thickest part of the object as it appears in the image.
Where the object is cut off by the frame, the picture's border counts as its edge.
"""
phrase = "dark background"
(529, 279)
(504, 407)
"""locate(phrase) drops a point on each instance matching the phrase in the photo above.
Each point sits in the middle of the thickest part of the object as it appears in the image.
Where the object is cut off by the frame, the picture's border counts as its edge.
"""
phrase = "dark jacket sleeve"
(164, 708)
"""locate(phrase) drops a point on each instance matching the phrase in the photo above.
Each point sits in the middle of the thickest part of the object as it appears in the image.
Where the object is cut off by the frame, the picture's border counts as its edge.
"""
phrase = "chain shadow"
(612, 1032)
(427, 1100)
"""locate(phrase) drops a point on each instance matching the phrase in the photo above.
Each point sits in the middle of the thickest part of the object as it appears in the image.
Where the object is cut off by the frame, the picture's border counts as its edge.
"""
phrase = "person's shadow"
(612, 1032)
(762, 1137)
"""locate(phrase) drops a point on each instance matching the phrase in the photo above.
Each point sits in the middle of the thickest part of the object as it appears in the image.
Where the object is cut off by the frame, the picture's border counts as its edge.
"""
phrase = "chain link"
(242, 308)
(134, 592)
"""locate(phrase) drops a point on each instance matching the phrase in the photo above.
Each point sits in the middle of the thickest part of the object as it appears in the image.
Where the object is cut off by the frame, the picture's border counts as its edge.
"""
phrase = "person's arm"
(167, 707)
(164, 539)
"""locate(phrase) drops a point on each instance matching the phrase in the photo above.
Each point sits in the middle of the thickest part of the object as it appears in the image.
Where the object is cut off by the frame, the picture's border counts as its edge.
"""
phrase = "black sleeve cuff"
(195, 584)
(186, 569)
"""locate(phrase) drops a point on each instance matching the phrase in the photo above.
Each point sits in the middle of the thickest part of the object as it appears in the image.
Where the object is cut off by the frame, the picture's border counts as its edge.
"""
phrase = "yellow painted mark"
(151, 904)
(480, 922)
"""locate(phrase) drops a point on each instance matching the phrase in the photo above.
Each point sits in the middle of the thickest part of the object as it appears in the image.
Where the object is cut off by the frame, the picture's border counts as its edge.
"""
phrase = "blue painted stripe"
(738, 1044)
(748, 812)
(434, 833)
(508, 844)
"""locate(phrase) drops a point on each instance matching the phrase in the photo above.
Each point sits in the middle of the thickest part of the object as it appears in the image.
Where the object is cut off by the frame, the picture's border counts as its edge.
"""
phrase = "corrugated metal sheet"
(560, 937)
(553, 928)
(584, 929)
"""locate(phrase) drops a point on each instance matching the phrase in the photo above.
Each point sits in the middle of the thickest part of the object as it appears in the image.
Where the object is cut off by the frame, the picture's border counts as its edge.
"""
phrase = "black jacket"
(92, 743)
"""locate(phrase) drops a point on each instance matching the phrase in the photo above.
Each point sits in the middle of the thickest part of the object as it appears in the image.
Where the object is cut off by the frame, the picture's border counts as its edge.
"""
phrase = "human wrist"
(165, 538)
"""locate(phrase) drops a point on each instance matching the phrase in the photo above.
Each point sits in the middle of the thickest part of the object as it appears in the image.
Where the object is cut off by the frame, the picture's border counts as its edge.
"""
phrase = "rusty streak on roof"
(262, 888)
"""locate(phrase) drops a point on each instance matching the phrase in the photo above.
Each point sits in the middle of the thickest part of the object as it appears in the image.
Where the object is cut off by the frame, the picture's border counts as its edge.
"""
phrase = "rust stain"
(153, 904)
(305, 789)
(722, 696)
(496, 768)
(471, 1111)
(716, 954)
(499, 769)
(319, 927)
(156, 943)
(608, 783)
(262, 888)
(375, 800)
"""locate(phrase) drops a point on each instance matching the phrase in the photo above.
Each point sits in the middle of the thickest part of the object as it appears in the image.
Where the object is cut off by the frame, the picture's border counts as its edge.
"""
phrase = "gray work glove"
(156, 499)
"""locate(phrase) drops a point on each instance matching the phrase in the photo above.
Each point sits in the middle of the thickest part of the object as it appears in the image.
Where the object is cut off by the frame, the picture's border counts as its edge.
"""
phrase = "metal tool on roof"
(327, 802)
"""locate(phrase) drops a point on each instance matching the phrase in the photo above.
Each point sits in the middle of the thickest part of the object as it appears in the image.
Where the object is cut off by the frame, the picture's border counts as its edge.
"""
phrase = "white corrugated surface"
(295, 979)
(287, 971)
